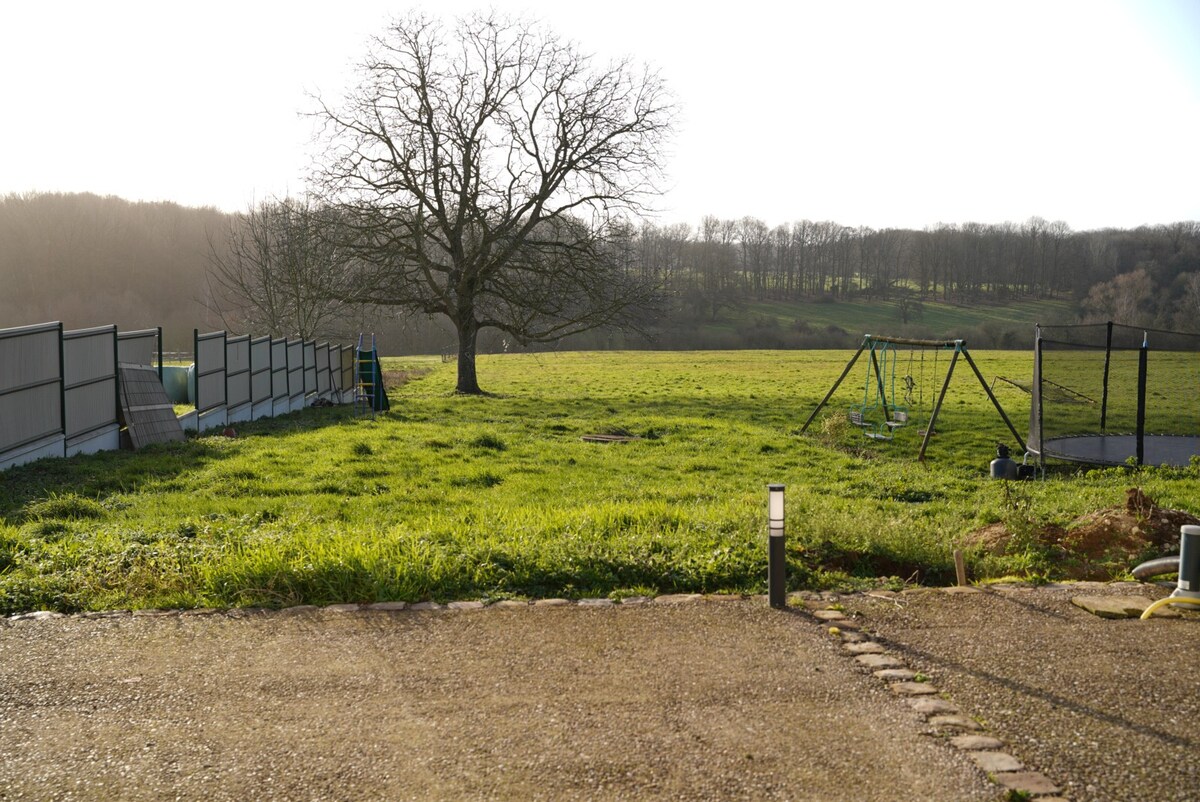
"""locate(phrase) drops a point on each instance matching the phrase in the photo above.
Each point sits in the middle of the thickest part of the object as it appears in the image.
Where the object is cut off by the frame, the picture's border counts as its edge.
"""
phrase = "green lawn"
(451, 497)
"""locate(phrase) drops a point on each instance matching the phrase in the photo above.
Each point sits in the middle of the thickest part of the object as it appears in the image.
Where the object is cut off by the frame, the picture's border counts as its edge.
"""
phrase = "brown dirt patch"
(1095, 545)
(398, 378)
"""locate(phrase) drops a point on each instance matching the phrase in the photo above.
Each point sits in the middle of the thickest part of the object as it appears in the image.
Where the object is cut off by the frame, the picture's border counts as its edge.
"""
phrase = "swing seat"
(899, 418)
(858, 419)
(882, 433)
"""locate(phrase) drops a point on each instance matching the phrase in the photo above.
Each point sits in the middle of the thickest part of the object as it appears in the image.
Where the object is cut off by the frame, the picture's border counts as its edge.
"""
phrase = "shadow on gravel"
(1015, 686)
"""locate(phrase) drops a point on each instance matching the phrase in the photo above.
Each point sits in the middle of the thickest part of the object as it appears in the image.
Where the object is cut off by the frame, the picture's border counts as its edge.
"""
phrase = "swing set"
(885, 409)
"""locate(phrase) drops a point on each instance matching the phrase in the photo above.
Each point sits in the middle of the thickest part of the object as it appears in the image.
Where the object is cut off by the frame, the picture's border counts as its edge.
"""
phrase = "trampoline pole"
(1104, 397)
(1035, 406)
(1143, 353)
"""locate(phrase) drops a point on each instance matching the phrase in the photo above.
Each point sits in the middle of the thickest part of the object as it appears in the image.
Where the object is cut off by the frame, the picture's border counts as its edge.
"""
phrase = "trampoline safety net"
(1110, 394)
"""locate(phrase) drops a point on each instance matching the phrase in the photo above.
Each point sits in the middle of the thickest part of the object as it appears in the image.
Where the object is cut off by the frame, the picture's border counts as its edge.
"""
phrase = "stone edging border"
(945, 717)
(794, 598)
(390, 607)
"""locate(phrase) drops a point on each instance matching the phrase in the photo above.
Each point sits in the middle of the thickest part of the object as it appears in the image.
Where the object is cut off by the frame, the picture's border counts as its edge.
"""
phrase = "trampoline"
(1109, 394)
(1119, 449)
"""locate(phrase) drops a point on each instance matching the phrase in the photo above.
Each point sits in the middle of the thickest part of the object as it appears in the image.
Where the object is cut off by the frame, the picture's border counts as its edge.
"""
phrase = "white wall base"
(51, 446)
(238, 414)
(213, 419)
(107, 439)
(263, 409)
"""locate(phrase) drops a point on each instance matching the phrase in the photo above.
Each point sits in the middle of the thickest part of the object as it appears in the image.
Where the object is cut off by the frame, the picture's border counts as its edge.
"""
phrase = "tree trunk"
(468, 331)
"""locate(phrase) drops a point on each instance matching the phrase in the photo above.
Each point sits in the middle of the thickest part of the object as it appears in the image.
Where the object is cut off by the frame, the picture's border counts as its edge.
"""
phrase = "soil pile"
(1101, 544)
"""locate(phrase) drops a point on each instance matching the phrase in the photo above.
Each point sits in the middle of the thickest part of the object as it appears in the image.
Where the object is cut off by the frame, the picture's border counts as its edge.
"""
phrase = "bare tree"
(483, 169)
(279, 269)
(1124, 299)
(1188, 316)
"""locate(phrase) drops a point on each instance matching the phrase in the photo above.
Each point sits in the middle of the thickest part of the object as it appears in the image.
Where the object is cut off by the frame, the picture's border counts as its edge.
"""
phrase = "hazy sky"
(867, 113)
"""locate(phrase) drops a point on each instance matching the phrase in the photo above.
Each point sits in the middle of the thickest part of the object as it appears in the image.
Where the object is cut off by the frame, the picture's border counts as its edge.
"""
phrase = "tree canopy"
(481, 170)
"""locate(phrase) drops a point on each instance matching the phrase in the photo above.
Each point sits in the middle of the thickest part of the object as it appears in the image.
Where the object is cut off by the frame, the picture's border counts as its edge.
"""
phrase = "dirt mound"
(1099, 544)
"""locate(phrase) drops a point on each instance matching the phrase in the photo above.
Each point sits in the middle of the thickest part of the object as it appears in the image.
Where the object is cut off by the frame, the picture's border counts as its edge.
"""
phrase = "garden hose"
(1156, 567)
(1168, 600)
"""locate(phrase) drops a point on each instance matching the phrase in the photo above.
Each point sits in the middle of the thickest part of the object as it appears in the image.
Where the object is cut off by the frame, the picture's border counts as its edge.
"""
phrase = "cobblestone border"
(943, 715)
(795, 598)
(384, 607)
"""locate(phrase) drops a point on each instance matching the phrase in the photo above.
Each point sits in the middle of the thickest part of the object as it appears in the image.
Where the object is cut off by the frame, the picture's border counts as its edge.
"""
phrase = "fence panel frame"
(48, 396)
(90, 410)
(134, 348)
(295, 368)
(237, 378)
(324, 379)
(347, 370)
(210, 412)
(261, 399)
(310, 367)
(279, 377)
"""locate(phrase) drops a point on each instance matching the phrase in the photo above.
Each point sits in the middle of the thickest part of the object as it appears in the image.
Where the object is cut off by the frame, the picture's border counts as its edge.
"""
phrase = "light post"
(776, 556)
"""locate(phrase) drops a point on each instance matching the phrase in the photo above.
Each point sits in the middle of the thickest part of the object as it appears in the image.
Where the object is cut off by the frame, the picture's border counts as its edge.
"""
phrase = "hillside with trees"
(90, 260)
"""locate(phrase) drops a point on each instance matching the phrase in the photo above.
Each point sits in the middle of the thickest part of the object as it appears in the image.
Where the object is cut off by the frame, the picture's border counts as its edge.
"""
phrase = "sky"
(881, 114)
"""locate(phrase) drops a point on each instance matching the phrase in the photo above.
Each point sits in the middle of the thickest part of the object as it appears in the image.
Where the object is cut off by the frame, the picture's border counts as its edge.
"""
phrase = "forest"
(90, 260)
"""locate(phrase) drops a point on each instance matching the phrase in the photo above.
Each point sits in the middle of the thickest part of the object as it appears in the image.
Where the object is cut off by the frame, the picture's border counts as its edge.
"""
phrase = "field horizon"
(454, 497)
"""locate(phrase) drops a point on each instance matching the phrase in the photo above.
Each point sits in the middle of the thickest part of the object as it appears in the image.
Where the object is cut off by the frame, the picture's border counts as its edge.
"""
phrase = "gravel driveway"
(706, 700)
(1109, 709)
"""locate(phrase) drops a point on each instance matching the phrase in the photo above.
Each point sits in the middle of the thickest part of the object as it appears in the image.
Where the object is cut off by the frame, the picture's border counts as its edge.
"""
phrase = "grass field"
(451, 497)
(876, 316)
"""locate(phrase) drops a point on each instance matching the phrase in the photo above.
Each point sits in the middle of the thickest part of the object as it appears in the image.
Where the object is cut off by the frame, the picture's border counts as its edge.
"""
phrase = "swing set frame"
(869, 344)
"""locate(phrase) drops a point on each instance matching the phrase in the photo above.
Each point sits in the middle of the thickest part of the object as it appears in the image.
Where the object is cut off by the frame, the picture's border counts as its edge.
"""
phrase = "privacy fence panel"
(31, 393)
(310, 367)
(324, 380)
(237, 378)
(335, 371)
(90, 390)
(279, 377)
(210, 378)
(260, 376)
(347, 362)
(295, 370)
(142, 347)
(61, 392)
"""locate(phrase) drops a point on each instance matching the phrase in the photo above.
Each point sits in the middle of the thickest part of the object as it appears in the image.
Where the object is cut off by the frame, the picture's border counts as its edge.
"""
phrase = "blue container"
(180, 383)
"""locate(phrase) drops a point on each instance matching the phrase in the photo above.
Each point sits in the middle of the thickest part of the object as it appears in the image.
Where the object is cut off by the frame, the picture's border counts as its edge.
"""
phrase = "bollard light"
(775, 509)
(776, 554)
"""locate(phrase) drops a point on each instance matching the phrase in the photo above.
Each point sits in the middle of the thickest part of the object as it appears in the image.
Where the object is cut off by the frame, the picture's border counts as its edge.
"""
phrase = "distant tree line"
(90, 260)
(1149, 275)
